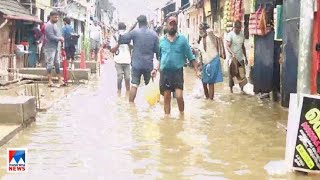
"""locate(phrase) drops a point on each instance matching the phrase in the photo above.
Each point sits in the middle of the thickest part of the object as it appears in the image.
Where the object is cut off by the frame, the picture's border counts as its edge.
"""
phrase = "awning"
(25, 18)
(14, 10)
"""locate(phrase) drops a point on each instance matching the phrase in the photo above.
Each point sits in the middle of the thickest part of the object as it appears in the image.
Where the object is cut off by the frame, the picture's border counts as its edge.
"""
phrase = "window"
(194, 25)
(82, 27)
(42, 15)
(169, 8)
(76, 26)
(54, 3)
(197, 23)
(185, 4)
(188, 23)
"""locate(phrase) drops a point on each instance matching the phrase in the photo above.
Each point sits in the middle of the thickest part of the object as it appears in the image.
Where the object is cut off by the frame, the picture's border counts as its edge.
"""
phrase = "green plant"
(86, 47)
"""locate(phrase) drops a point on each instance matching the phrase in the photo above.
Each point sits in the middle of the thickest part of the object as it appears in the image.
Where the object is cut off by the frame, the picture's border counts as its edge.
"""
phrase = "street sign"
(304, 134)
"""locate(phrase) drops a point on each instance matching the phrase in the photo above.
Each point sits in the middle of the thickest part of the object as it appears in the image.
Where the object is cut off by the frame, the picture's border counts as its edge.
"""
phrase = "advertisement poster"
(306, 155)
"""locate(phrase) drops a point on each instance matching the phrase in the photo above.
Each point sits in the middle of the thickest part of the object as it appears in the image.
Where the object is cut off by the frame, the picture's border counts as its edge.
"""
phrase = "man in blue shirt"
(69, 46)
(145, 46)
(174, 50)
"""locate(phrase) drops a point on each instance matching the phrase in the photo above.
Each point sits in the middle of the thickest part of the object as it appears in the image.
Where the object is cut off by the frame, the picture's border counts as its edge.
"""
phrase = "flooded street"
(94, 134)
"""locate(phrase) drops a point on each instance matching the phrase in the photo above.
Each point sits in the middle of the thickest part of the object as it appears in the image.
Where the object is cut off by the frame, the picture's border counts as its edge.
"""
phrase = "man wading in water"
(145, 46)
(237, 50)
(174, 49)
(212, 71)
(122, 58)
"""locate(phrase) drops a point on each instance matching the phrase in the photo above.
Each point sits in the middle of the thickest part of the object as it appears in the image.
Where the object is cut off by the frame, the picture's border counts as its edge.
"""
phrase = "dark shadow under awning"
(14, 10)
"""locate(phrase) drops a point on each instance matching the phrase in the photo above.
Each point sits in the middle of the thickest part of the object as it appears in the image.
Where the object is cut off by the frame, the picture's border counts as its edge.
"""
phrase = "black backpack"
(73, 38)
(129, 45)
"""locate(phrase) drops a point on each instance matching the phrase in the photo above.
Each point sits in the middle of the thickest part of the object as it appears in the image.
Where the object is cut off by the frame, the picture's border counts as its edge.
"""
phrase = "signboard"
(304, 129)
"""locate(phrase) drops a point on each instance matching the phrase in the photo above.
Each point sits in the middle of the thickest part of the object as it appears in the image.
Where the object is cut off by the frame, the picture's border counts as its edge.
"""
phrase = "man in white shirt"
(235, 46)
(95, 39)
(122, 58)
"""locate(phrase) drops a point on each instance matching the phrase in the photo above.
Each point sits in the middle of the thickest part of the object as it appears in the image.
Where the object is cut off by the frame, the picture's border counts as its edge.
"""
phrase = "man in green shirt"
(174, 50)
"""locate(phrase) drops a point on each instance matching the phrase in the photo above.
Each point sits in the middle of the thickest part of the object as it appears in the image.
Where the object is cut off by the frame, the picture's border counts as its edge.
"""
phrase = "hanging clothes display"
(233, 11)
(238, 10)
(262, 71)
(258, 22)
(263, 64)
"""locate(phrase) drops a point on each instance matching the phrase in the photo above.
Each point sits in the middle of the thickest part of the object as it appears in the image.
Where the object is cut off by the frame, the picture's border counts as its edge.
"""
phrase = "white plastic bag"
(198, 91)
(248, 89)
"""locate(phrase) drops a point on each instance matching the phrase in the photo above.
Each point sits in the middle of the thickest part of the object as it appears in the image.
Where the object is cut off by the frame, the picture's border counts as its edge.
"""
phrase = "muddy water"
(94, 134)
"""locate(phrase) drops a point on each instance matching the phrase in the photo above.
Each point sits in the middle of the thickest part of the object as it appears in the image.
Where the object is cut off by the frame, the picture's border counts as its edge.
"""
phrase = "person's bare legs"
(127, 77)
(127, 83)
(49, 63)
(167, 102)
(180, 100)
(50, 83)
(206, 92)
(60, 80)
(211, 91)
(133, 93)
(96, 53)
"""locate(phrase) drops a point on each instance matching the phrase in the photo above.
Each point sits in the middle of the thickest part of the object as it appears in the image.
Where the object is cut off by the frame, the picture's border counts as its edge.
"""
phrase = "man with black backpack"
(122, 58)
(71, 40)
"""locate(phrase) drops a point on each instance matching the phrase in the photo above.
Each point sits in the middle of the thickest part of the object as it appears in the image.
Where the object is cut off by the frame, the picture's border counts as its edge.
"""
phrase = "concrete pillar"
(305, 47)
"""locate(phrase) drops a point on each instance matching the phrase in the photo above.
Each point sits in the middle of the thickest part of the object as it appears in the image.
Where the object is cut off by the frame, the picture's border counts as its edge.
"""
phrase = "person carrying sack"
(235, 46)
(210, 62)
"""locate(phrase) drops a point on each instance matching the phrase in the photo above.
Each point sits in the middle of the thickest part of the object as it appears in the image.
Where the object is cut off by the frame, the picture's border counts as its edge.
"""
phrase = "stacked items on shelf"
(227, 16)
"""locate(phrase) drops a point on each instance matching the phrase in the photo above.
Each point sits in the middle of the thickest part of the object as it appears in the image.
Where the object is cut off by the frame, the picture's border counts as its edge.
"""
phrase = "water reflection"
(95, 134)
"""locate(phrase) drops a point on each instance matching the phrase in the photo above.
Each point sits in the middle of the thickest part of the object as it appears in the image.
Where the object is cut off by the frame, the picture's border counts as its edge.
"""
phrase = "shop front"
(16, 24)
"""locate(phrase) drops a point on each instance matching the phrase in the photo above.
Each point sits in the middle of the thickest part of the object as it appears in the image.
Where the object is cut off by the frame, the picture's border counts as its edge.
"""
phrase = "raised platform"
(80, 74)
(92, 65)
(17, 110)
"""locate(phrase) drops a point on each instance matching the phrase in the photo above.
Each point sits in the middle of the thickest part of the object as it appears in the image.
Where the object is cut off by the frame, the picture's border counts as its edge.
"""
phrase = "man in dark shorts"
(145, 46)
(67, 32)
(174, 50)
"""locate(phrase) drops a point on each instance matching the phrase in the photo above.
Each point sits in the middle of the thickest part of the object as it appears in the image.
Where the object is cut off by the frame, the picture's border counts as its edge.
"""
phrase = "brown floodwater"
(95, 134)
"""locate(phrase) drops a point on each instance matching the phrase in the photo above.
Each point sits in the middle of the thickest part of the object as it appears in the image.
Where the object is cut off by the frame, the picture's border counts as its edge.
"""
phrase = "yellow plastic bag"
(152, 93)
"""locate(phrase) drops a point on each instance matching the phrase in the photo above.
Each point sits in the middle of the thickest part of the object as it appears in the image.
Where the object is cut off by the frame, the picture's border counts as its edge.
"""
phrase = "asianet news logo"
(17, 160)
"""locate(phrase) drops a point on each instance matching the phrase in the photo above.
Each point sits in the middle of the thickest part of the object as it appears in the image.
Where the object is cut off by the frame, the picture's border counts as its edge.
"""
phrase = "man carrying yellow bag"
(174, 49)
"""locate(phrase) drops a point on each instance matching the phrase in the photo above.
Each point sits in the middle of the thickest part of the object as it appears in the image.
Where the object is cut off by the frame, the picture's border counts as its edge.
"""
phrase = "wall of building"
(44, 5)
(7, 42)
(190, 22)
